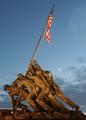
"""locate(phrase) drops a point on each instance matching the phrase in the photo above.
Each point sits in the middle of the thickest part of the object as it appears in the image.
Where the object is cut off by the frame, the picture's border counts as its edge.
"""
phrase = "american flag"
(47, 32)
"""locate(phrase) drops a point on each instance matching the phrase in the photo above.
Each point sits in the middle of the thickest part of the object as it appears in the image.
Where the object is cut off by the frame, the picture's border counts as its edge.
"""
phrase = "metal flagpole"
(51, 12)
(37, 45)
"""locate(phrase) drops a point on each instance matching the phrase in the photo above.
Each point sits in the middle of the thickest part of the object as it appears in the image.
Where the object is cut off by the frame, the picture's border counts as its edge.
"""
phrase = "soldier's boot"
(76, 107)
(23, 107)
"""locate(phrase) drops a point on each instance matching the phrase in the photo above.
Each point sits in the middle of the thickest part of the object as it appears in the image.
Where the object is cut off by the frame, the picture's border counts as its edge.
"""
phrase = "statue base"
(6, 114)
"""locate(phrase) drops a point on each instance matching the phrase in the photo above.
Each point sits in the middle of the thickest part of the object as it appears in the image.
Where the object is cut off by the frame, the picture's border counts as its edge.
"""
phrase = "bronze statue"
(38, 88)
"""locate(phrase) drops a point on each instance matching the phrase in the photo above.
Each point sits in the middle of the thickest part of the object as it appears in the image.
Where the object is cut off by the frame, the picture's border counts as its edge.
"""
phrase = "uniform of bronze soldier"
(19, 88)
(32, 88)
(24, 90)
(44, 80)
(32, 97)
(46, 92)
(58, 91)
(14, 91)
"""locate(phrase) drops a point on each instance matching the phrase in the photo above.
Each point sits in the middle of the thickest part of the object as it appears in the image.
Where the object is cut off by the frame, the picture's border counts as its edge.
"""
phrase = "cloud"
(78, 74)
(74, 84)
(60, 81)
(1, 99)
(4, 101)
(2, 92)
(76, 94)
(81, 74)
(59, 69)
(81, 60)
(70, 69)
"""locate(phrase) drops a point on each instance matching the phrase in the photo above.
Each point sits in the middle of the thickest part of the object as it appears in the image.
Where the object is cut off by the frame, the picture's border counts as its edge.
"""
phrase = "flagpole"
(37, 44)
(51, 12)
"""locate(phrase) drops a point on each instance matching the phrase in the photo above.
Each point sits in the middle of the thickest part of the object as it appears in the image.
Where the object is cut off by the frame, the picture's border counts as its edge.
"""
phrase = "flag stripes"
(47, 32)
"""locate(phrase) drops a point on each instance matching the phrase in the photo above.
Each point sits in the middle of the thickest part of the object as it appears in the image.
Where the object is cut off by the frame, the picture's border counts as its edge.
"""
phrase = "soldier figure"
(45, 92)
(58, 91)
(14, 91)
(45, 78)
(33, 90)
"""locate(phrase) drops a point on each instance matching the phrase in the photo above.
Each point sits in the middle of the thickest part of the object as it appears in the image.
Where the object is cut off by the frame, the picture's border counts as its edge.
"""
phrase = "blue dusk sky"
(21, 23)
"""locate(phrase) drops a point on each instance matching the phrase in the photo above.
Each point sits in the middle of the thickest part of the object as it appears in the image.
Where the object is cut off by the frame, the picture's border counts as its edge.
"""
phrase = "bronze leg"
(66, 100)
(56, 104)
(40, 100)
(31, 100)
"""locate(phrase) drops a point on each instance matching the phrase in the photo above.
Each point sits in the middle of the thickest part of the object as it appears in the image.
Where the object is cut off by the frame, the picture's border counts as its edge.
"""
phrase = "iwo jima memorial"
(38, 88)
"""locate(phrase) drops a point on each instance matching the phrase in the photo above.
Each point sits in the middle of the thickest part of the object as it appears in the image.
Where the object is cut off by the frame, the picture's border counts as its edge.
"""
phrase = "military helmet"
(19, 75)
(48, 73)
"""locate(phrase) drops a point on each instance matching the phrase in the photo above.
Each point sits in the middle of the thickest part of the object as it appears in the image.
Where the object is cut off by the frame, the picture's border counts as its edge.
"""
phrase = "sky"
(21, 23)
